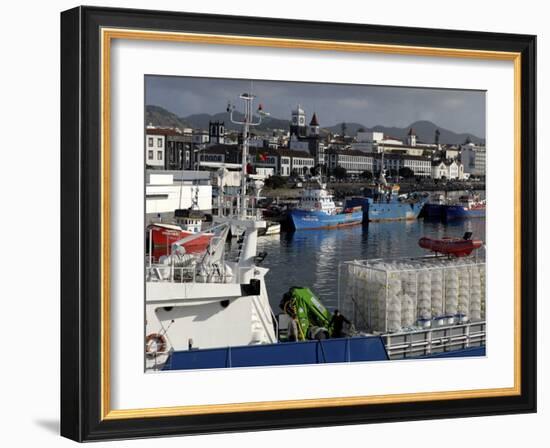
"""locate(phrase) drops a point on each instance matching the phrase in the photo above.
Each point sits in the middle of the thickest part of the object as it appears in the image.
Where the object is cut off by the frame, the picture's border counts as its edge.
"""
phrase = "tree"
(275, 182)
(366, 175)
(340, 172)
(406, 172)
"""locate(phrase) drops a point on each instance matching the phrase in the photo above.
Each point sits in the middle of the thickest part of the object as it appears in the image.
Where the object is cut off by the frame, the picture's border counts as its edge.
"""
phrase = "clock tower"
(298, 123)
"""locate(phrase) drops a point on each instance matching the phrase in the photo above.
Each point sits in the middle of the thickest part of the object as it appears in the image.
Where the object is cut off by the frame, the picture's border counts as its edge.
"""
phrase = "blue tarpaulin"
(370, 348)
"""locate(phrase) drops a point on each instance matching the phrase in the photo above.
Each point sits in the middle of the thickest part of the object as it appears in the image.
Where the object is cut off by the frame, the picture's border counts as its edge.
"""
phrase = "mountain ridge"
(424, 129)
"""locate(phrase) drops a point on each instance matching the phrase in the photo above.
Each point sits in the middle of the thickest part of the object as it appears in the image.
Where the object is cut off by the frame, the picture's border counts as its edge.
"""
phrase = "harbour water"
(311, 257)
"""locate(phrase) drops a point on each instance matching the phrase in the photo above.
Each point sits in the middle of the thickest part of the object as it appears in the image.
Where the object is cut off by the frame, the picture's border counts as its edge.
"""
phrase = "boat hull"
(433, 211)
(450, 246)
(308, 220)
(387, 211)
(451, 212)
(163, 237)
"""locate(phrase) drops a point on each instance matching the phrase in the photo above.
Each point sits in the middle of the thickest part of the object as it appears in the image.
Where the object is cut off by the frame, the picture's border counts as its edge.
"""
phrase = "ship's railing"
(195, 274)
(422, 342)
(251, 213)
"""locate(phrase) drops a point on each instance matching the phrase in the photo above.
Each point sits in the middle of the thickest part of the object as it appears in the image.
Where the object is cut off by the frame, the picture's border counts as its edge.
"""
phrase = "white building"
(165, 193)
(155, 145)
(373, 141)
(284, 166)
(301, 162)
(473, 157)
(354, 161)
(448, 170)
(420, 165)
(200, 138)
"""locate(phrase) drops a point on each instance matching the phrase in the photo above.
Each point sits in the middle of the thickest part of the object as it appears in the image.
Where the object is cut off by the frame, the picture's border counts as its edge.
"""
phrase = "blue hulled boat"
(383, 203)
(467, 207)
(317, 210)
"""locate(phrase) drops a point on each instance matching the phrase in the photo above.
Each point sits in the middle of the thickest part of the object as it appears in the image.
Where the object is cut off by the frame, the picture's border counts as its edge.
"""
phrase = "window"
(150, 155)
(159, 142)
(150, 142)
(159, 155)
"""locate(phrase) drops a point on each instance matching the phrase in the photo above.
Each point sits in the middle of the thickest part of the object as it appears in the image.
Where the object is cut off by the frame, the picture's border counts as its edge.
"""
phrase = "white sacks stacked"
(451, 291)
(424, 306)
(475, 296)
(388, 296)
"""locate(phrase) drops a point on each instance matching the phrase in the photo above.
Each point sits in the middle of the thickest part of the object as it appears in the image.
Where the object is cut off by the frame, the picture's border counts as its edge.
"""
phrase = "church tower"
(216, 132)
(298, 123)
(314, 126)
(411, 137)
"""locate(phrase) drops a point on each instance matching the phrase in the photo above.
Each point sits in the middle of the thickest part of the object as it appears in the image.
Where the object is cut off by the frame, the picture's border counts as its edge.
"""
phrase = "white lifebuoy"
(155, 343)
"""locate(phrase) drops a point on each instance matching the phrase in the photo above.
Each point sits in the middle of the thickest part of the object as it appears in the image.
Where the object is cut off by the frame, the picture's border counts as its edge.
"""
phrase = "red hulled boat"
(189, 222)
(458, 247)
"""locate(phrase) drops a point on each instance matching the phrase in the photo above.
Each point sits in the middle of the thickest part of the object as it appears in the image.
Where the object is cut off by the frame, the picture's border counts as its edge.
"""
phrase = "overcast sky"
(456, 110)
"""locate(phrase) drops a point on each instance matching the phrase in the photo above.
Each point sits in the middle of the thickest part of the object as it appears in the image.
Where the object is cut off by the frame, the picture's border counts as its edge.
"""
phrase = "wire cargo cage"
(391, 295)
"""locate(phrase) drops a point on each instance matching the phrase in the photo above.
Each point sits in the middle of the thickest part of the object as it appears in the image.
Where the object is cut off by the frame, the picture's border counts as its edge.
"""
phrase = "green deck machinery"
(314, 320)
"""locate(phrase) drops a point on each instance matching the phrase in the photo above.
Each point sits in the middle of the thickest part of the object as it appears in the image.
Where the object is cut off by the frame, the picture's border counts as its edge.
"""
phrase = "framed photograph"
(275, 224)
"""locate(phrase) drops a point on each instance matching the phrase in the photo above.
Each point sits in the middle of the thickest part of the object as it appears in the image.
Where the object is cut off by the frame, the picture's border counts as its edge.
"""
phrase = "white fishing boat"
(206, 301)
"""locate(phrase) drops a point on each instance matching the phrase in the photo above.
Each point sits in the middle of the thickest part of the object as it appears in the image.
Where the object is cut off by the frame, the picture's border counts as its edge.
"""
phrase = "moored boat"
(458, 247)
(317, 210)
(384, 203)
(188, 222)
(468, 206)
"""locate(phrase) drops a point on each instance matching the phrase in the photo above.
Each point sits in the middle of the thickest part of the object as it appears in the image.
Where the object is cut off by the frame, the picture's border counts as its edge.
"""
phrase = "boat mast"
(247, 122)
(382, 177)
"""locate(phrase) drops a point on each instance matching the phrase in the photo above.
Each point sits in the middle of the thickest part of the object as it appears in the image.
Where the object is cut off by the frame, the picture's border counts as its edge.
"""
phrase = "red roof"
(411, 132)
(161, 131)
(314, 121)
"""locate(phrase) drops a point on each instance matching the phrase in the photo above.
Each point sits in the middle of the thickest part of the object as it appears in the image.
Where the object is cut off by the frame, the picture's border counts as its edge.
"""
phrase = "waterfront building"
(451, 152)
(301, 162)
(421, 166)
(265, 161)
(155, 141)
(217, 155)
(473, 157)
(284, 165)
(200, 137)
(178, 151)
(377, 142)
(354, 161)
(447, 169)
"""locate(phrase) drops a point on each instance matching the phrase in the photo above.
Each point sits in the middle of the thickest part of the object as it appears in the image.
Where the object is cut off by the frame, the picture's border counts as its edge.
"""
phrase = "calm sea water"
(311, 257)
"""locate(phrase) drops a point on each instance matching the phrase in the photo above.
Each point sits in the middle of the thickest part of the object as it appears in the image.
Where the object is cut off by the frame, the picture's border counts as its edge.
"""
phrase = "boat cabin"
(189, 219)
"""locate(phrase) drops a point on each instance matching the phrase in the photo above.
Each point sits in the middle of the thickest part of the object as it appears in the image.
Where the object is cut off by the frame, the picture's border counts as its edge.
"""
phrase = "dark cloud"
(457, 110)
